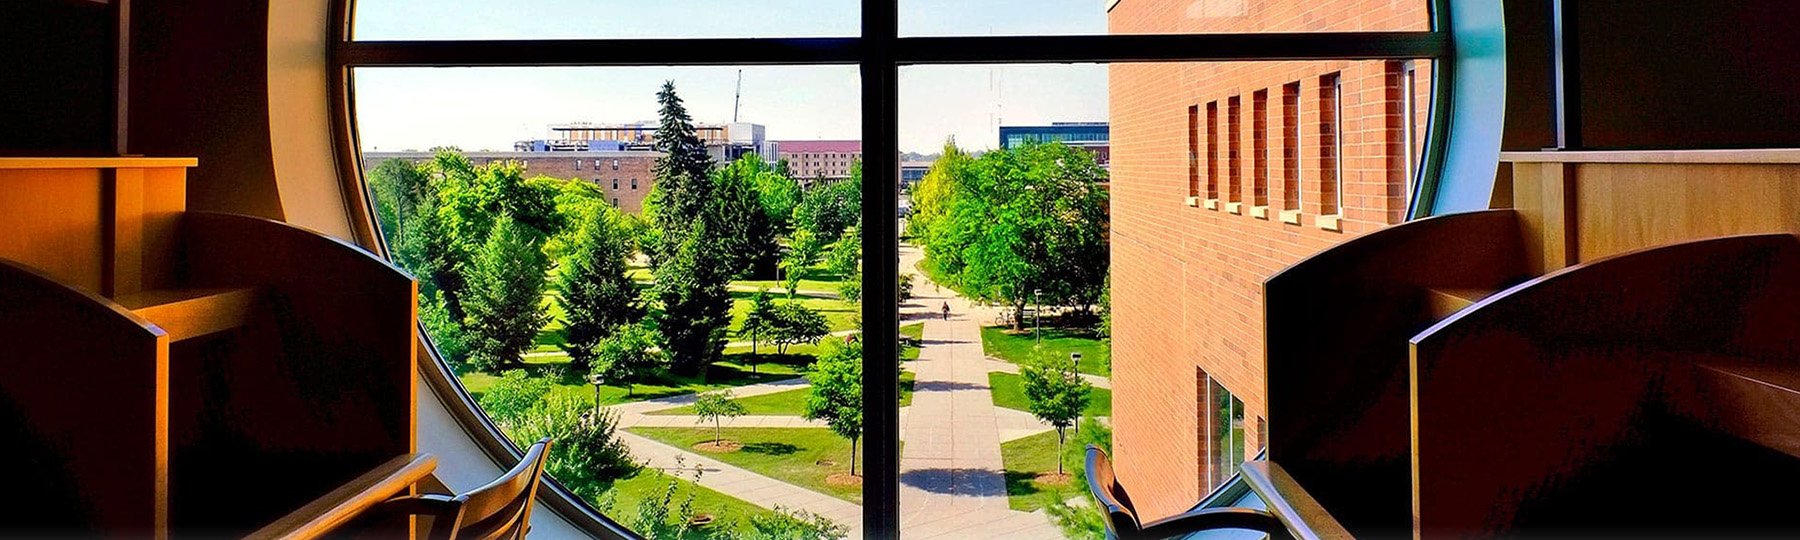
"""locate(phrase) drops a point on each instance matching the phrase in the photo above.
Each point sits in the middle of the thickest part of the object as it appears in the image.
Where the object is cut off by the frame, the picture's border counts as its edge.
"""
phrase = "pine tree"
(597, 293)
(683, 187)
(690, 285)
(506, 295)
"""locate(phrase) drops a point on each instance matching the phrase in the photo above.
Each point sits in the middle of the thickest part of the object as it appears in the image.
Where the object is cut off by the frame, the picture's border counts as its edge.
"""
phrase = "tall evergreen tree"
(597, 294)
(738, 221)
(506, 294)
(683, 186)
(690, 285)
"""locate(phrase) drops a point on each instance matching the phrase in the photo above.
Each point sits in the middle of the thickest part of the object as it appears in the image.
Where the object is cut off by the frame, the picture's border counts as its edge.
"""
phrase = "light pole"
(594, 379)
(1037, 314)
(1075, 374)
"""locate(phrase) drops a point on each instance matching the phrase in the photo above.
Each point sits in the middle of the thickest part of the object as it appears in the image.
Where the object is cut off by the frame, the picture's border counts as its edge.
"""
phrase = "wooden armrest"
(351, 500)
(1249, 519)
(430, 504)
(1298, 511)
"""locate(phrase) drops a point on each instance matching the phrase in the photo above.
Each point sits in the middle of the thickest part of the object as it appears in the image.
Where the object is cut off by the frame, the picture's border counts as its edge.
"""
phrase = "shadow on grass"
(771, 448)
(1021, 483)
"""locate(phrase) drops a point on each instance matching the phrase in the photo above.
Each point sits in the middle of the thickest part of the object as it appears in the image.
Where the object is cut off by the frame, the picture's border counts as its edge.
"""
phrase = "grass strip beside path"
(800, 456)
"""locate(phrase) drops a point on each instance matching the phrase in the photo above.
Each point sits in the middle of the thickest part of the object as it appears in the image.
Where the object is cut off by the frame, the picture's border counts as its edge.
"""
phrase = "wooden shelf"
(191, 313)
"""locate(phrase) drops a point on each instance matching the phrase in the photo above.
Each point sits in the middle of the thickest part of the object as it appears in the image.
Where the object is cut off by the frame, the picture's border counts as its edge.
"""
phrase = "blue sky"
(489, 108)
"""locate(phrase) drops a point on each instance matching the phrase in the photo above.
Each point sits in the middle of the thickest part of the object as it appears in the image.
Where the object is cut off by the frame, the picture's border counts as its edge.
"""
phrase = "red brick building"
(625, 176)
(813, 159)
(1223, 174)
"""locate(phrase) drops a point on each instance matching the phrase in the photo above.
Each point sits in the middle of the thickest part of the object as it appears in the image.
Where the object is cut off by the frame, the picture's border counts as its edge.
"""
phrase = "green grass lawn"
(1058, 343)
(1024, 460)
(727, 511)
(911, 335)
(1009, 391)
(839, 315)
(788, 402)
(791, 455)
(723, 374)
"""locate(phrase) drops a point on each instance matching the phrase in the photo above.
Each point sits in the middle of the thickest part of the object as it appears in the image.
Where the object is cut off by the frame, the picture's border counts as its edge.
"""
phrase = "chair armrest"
(1216, 518)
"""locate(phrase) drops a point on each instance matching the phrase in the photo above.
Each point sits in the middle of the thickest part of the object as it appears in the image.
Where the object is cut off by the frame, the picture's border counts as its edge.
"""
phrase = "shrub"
(787, 524)
(586, 454)
(515, 394)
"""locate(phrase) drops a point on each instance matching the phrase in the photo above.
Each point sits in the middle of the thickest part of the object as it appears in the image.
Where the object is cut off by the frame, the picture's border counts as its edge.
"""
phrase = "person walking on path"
(946, 311)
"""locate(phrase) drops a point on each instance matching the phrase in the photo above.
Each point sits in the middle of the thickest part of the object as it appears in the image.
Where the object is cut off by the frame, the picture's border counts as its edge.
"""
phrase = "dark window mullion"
(881, 270)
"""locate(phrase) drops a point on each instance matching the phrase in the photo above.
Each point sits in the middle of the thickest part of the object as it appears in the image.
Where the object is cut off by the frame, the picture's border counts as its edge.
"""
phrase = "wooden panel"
(64, 239)
(190, 313)
(124, 230)
(1337, 330)
(1622, 207)
(1538, 409)
(323, 387)
(83, 411)
(326, 514)
(1541, 196)
(27, 163)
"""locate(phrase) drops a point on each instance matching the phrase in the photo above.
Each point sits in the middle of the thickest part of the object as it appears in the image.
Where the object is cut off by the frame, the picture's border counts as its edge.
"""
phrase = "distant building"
(623, 175)
(815, 159)
(913, 172)
(1091, 136)
(724, 142)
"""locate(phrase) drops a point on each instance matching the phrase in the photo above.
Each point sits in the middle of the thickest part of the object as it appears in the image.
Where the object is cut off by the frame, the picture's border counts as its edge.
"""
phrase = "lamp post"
(594, 379)
(1075, 361)
(1037, 314)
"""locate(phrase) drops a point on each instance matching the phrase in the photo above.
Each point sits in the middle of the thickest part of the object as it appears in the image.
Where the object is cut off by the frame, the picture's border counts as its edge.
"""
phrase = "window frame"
(1462, 32)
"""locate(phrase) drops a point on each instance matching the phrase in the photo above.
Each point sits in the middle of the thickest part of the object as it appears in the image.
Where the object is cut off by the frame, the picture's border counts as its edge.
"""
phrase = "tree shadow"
(970, 482)
(770, 448)
(1021, 483)
(945, 386)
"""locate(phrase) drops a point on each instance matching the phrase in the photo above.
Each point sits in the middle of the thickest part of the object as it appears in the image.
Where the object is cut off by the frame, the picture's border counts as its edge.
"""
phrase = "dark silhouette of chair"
(1122, 521)
(499, 510)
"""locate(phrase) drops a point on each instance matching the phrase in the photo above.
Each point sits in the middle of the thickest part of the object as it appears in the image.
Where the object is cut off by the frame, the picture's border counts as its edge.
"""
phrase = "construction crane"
(737, 100)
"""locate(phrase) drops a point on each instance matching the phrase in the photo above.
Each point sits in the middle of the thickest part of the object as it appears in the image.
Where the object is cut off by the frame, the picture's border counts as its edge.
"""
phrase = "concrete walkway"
(951, 476)
(741, 483)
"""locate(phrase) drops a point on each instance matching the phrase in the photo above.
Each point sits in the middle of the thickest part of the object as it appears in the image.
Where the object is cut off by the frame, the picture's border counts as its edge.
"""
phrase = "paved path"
(951, 479)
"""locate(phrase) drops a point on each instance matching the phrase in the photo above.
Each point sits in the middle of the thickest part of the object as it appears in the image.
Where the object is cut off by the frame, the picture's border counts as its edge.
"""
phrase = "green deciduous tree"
(932, 196)
(1021, 221)
(796, 324)
(628, 356)
(597, 293)
(803, 252)
(828, 207)
(506, 296)
(836, 394)
(716, 407)
(1056, 394)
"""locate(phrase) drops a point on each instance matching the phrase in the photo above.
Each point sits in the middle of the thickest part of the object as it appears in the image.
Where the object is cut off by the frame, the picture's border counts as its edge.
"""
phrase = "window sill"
(1193, 202)
(1259, 212)
(1212, 204)
(1332, 222)
(1234, 208)
(1290, 217)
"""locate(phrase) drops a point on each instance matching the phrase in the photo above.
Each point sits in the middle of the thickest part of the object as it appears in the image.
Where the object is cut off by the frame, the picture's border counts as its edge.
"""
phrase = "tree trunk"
(718, 434)
(1018, 317)
(1059, 451)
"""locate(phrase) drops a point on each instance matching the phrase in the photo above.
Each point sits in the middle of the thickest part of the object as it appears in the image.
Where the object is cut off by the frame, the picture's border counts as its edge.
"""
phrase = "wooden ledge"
(349, 501)
(95, 162)
(1765, 155)
(189, 313)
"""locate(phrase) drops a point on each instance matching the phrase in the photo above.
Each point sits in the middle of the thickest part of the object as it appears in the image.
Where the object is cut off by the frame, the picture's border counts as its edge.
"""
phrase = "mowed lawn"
(724, 374)
(1025, 459)
(785, 403)
(1009, 392)
(1020, 348)
(649, 484)
(800, 456)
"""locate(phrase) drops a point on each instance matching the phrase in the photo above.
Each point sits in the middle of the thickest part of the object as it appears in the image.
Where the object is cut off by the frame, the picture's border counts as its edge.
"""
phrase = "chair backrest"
(502, 508)
(1121, 516)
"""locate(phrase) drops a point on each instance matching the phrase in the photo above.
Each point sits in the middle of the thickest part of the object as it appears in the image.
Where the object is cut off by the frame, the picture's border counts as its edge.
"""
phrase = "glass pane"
(601, 19)
(666, 298)
(1190, 167)
(1075, 17)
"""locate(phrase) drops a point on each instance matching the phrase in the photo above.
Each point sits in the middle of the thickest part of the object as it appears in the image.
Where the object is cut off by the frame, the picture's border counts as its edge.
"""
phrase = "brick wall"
(1187, 280)
(595, 167)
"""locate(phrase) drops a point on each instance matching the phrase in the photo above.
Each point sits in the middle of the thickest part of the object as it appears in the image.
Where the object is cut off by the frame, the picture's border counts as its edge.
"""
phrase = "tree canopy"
(836, 395)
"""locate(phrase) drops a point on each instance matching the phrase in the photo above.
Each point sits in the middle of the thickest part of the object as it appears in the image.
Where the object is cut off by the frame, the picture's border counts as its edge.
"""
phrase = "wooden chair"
(1122, 521)
(499, 510)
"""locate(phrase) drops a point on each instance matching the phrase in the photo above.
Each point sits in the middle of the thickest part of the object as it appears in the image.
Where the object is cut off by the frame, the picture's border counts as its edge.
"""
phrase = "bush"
(787, 524)
(1081, 521)
(586, 454)
(515, 394)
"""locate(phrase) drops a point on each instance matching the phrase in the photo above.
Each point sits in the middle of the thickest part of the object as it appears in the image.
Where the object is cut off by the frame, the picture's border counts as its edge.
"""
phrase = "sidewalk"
(737, 482)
